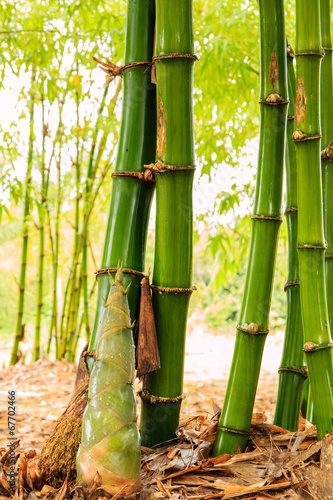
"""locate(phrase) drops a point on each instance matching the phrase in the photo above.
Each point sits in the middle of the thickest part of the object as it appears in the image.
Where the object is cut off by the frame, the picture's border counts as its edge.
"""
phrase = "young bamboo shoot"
(110, 438)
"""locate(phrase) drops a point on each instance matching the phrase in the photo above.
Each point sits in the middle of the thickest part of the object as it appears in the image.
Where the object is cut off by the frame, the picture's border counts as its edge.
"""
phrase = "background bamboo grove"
(73, 131)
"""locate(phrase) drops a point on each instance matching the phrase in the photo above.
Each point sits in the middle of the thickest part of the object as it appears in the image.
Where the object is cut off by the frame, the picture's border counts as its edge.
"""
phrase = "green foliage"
(58, 38)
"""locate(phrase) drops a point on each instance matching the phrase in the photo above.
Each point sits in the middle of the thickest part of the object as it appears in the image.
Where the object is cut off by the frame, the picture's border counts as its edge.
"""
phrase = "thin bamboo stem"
(19, 331)
(235, 420)
(41, 223)
(311, 241)
(326, 112)
(292, 373)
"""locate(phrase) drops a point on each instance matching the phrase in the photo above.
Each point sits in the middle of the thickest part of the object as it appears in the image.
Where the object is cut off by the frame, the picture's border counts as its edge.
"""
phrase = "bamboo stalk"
(55, 239)
(292, 373)
(19, 332)
(311, 241)
(126, 230)
(91, 170)
(235, 420)
(55, 264)
(326, 112)
(41, 224)
(174, 233)
(74, 289)
(80, 322)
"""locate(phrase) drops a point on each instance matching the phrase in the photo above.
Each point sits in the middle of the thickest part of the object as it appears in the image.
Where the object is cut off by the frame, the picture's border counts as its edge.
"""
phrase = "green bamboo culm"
(162, 391)
(127, 224)
(292, 373)
(235, 420)
(41, 206)
(311, 241)
(26, 213)
(110, 443)
(326, 111)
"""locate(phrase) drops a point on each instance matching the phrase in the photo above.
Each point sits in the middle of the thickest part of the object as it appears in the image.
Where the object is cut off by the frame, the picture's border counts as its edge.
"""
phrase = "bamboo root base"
(57, 460)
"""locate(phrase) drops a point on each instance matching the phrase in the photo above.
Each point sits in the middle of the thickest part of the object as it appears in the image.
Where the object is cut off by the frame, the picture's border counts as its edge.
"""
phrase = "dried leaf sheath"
(147, 354)
(110, 442)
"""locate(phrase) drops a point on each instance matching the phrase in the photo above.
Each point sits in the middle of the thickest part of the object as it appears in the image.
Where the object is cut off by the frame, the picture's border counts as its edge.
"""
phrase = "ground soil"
(44, 388)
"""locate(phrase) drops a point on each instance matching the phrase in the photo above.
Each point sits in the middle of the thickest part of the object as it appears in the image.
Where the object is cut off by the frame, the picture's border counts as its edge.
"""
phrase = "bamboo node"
(155, 400)
(175, 290)
(328, 255)
(312, 247)
(299, 136)
(310, 346)
(251, 329)
(300, 370)
(233, 430)
(146, 177)
(274, 98)
(327, 153)
(262, 217)
(176, 55)
(310, 53)
(113, 70)
(113, 270)
(159, 167)
(290, 52)
(89, 354)
(291, 118)
(291, 284)
(290, 210)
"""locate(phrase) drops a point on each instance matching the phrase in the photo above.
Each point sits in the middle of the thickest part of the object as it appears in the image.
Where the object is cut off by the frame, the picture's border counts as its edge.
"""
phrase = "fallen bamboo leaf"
(172, 453)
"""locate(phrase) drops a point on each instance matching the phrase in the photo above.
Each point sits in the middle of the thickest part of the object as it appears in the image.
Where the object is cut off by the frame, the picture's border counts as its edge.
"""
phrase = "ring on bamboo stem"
(113, 270)
(159, 167)
(251, 329)
(312, 347)
(317, 54)
(311, 247)
(291, 284)
(274, 99)
(113, 70)
(275, 218)
(146, 177)
(299, 136)
(176, 55)
(328, 255)
(166, 289)
(327, 153)
(290, 210)
(88, 354)
(328, 49)
(290, 52)
(290, 118)
(295, 369)
(155, 400)
(233, 430)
